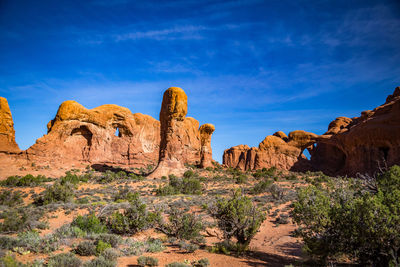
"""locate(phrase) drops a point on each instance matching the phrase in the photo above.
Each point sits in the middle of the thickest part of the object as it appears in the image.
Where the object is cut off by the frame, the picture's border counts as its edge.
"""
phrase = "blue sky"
(249, 67)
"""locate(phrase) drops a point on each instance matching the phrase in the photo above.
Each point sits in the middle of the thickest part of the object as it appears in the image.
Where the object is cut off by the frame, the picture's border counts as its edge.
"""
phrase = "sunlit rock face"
(7, 132)
(113, 135)
(182, 141)
(351, 145)
(108, 134)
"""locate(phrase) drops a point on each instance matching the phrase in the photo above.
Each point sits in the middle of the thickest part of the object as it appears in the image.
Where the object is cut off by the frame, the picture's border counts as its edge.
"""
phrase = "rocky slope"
(350, 146)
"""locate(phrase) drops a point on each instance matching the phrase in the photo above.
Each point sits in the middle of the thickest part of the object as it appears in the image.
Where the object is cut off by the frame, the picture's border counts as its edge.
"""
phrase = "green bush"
(261, 187)
(11, 198)
(204, 262)
(86, 248)
(110, 254)
(90, 224)
(15, 220)
(55, 193)
(154, 245)
(265, 173)
(184, 226)
(125, 194)
(237, 217)
(64, 260)
(178, 264)
(241, 179)
(147, 261)
(73, 178)
(27, 180)
(188, 247)
(100, 262)
(358, 220)
(176, 186)
(9, 260)
(133, 219)
(113, 240)
(101, 246)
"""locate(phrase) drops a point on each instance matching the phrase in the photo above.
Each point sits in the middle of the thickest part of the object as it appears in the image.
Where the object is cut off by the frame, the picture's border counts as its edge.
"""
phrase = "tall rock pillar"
(206, 130)
(7, 132)
(172, 116)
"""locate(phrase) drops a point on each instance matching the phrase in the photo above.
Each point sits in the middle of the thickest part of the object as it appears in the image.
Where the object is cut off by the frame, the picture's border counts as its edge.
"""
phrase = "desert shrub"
(188, 247)
(64, 260)
(125, 194)
(361, 221)
(261, 187)
(276, 191)
(186, 226)
(134, 219)
(85, 248)
(227, 247)
(90, 224)
(27, 180)
(237, 217)
(73, 178)
(11, 198)
(282, 219)
(110, 254)
(9, 260)
(178, 264)
(154, 245)
(241, 179)
(147, 261)
(264, 172)
(204, 262)
(109, 176)
(190, 174)
(113, 240)
(190, 186)
(100, 262)
(101, 246)
(15, 220)
(55, 193)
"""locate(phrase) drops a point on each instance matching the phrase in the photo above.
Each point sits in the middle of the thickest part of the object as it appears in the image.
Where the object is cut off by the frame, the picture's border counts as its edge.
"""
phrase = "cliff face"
(350, 146)
(110, 134)
(361, 144)
(7, 132)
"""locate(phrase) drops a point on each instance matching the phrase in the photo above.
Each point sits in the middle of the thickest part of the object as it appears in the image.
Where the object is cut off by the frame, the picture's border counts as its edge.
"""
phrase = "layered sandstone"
(206, 131)
(351, 145)
(113, 135)
(108, 134)
(182, 141)
(7, 132)
(277, 150)
(362, 144)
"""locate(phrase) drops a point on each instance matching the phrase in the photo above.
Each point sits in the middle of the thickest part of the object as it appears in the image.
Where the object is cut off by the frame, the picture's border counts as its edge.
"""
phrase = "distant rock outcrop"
(113, 135)
(7, 132)
(275, 150)
(350, 146)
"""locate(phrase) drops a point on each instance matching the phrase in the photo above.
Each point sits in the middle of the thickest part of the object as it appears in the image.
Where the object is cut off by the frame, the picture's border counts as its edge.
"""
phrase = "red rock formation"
(275, 150)
(80, 134)
(112, 135)
(181, 141)
(7, 133)
(206, 130)
(350, 146)
(362, 144)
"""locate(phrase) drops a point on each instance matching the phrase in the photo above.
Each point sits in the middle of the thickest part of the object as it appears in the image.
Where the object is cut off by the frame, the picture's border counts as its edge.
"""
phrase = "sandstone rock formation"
(350, 146)
(206, 130)
(275, 150)
(108, 134)
(113, 135)
(181, 141)
(361, 144)
(7, 132)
